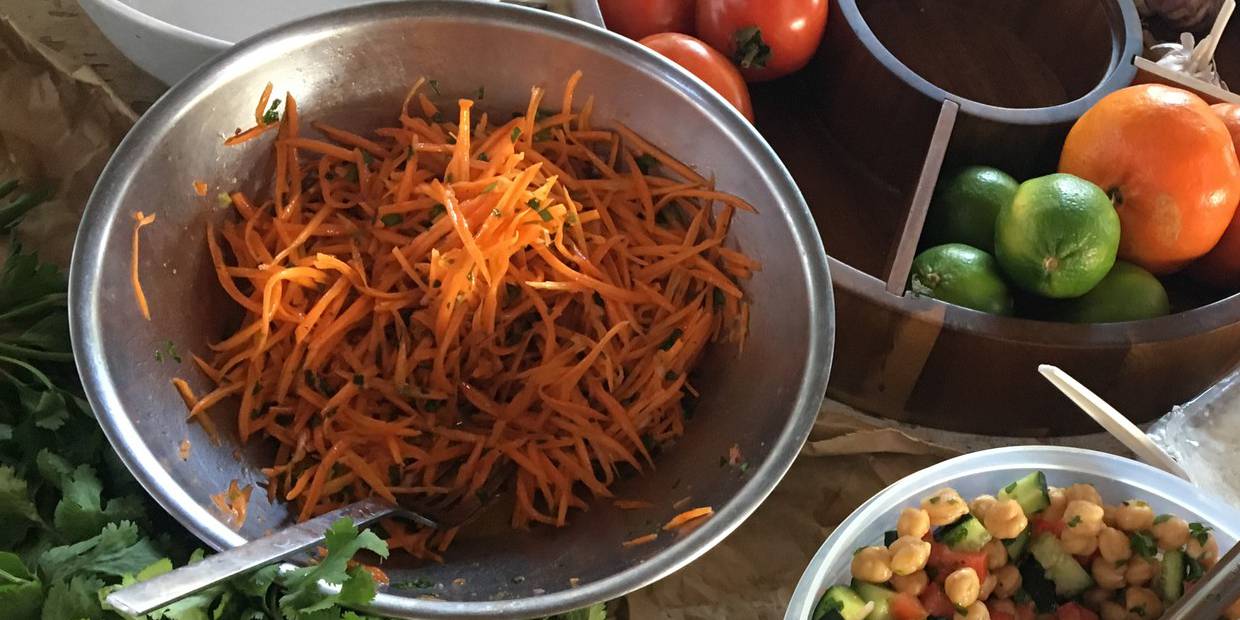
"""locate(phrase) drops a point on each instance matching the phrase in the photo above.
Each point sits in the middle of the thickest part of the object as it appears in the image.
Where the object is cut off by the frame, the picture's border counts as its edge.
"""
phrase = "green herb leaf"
(1143, 544)
(118, 550)
(490, 187)
(392, 220)
(646, 163)
(516, 133)
(272, 115)
(1199, 532)
(343, 541)
(21, 593)
(1161, 519)
(671, 340)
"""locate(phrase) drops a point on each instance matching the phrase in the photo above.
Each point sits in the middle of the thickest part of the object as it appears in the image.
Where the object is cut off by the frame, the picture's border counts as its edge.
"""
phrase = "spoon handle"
(1105, 415)
(147, 596)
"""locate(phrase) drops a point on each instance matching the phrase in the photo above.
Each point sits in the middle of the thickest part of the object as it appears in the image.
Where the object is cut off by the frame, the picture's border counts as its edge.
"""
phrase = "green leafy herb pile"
(74, 525)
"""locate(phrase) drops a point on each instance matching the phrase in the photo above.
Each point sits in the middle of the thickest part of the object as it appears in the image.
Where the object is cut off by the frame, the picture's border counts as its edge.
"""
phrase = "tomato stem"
(751, 50)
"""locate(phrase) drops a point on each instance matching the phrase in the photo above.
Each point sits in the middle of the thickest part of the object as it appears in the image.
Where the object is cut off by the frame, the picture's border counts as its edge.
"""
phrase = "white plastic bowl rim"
(1116, 478)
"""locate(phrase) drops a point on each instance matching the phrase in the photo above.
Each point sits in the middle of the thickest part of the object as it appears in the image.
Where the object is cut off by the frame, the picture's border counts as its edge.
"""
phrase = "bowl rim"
(1140, 476)
(105, 204)
(1125, 45)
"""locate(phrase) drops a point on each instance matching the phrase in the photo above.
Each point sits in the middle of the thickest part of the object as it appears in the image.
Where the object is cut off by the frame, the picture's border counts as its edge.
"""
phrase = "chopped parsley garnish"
(481, 93)
(169, 352)
(718, 297)
(671, 340)
(545, 215)
(223, 198)
(646, 162)
(433, 405)
(1161, 519)
(258, 388)
(359, 379)
(1074, 521)
(392, 219)
(272, 115)
(1198, 531)
(671, 375)
(934, 500)
(434, 84)
(1143, 544)
(533, 203)
(491, 187)
(367, 158)
(437, 211)
(484, 157)
(414, 584)
(516, 133)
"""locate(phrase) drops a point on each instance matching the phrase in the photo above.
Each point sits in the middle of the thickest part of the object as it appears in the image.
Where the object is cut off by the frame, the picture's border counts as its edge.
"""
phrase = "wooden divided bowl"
(902, 89)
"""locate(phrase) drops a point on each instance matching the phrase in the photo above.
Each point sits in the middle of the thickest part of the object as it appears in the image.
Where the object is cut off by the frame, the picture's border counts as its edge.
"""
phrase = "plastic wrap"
(1204, 436)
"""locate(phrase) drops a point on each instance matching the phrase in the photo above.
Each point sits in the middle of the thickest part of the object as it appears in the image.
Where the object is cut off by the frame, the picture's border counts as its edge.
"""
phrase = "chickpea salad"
(1029, 552)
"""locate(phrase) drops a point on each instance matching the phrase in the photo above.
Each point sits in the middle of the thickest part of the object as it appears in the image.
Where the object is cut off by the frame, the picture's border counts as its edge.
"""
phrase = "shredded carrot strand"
(429, 302)
(640, 540)
(687, 516)
(140, 220)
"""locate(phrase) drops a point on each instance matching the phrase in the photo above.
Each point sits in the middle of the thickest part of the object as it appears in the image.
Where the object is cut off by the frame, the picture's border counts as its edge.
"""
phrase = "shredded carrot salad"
(428, 303)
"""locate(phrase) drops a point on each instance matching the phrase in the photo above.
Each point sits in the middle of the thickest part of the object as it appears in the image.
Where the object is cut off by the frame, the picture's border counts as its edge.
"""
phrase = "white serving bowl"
(1116, 478)
(169, 38)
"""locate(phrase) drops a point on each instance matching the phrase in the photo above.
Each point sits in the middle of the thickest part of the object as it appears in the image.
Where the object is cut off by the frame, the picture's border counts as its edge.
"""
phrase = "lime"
(1127, 293)
(966, 204)
(963, 275)
(1058, 237)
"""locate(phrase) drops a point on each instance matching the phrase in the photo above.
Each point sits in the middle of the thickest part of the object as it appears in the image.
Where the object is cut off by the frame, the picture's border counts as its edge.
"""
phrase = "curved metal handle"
(147, 596)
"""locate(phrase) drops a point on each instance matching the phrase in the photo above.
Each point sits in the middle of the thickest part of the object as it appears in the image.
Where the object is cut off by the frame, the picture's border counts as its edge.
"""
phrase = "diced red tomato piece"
(1042, 525)
(1026, 612)
(944, 560)
(936, 602)
(907, 607)
(1073, 611)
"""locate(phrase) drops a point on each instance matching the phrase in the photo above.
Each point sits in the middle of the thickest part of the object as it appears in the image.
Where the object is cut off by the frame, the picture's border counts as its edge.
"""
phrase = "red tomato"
(1073, 611)
(907, 607)
(945, 561)
(936, 602)
(706, 63)
(1042, 525)
(766, 38)
(637, 19)
(1026, 612)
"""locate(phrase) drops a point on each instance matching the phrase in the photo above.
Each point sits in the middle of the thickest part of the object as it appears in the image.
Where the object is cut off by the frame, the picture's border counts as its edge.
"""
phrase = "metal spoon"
(1113, 421)
(443, 512)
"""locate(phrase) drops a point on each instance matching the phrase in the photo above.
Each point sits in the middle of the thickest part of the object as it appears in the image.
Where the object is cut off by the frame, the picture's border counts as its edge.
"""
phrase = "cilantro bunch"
(75, 525)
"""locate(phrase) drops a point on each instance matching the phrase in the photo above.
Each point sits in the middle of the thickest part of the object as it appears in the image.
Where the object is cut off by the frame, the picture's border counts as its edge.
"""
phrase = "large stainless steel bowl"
(352, 68)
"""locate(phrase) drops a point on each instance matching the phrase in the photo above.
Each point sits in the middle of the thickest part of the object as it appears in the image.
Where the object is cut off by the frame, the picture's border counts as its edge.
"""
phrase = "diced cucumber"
(1030, 492)
(1171, 576)
(840, 603)
(1016, 547)
(1037, 587)
(1070, 578)
(880, 596)
(889, 537)
(966, 534)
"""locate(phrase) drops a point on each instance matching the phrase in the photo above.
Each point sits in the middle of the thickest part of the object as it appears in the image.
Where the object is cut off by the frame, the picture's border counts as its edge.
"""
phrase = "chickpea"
(1005, 519)
(1134, 515)
(1114, 545)
(1078, 544)
(987, 587)
(1143, 603)
(1207, 554)
(1084, 493)
(976, 611)
(1059, 501)
(1107, 574)
(1233, 612)
(981, 505)
(1171, 532)
(1108, 514)
(962, 587)
(996, 554)
(944, 507)
(872, 564)
(912, 584)
(913, 522)
(1082, 518)
(909, 555)
(1140, 571)
(1007, 581)
(1002, 607)
(1113, 611)
(1095, 597)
